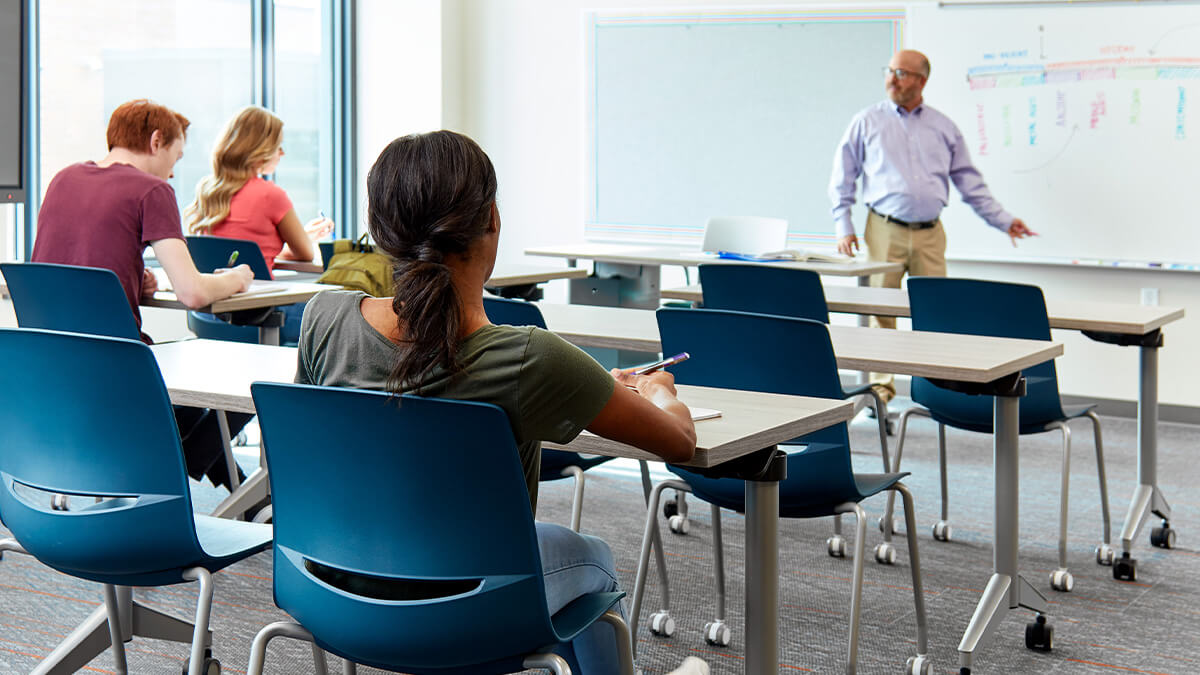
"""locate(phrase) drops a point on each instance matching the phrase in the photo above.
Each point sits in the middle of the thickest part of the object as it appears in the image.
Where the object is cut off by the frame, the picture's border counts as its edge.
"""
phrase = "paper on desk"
(262, 287)
(704, 414)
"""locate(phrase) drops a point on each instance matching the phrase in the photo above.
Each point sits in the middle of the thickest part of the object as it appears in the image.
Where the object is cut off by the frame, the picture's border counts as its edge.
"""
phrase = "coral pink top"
(254, 214)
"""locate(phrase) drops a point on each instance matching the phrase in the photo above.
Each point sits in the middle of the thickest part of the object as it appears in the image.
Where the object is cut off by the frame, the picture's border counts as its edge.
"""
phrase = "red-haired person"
(105, 213)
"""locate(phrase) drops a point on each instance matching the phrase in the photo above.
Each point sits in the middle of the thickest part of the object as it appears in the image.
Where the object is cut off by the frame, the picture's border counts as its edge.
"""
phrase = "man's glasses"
(900, 73)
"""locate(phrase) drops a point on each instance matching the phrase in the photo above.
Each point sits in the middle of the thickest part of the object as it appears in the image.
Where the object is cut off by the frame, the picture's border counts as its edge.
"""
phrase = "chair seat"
(1070, 412)
(227, 541)
(582, 612)
(554, 462)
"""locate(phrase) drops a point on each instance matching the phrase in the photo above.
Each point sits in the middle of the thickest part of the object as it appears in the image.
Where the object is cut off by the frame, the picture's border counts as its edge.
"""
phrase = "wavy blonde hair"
(249, 141)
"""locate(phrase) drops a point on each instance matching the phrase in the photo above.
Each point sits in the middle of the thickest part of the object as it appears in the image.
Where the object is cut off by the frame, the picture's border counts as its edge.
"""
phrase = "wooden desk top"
(218, 374)
(281, 293)
(964, 358)
(1108, 317)
(503, 275)
(651, 255)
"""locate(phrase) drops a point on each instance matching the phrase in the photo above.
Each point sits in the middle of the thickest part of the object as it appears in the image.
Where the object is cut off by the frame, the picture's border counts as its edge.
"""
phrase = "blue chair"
(210, 253)
(93, 484)
(763, 289)
(998, 309)
(556, 464)
(410, 587)
(69, 298)
(782, 355)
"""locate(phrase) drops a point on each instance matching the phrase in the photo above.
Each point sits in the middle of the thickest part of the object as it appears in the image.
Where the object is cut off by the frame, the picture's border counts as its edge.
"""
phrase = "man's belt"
(904, 223)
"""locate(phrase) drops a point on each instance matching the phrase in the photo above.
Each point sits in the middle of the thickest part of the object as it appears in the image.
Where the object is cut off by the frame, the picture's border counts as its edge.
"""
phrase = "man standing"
(906, 153)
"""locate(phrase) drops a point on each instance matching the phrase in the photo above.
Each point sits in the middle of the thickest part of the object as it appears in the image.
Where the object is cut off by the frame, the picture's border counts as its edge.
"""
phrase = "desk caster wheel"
(211, 665)
(1039, 635)
(885, 554)
(836, 545)
(670, 508)
(662, 624)
(1062, 580)
(1125, 568)
(918, 665)
(678, 524)
(941, 530)
(1104, 555)
(1163, 537)
(717, 633)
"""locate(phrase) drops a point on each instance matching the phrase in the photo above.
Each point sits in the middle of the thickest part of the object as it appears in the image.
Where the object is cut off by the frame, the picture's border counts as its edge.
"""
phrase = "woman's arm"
(298, 238)
(650, 418)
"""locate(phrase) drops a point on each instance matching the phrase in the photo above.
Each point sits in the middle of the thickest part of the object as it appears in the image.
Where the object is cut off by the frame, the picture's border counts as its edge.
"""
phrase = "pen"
(658, 365)
(232, 259)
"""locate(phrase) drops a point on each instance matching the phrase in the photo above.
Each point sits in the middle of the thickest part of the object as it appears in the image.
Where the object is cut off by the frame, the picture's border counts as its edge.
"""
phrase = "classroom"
(616, 131)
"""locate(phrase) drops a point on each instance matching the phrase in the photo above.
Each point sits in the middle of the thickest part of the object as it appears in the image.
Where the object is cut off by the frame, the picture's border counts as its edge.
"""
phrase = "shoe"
(691, 666)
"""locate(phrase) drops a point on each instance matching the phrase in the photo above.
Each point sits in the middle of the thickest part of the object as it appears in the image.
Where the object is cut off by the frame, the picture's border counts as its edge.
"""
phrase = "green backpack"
(357, 265)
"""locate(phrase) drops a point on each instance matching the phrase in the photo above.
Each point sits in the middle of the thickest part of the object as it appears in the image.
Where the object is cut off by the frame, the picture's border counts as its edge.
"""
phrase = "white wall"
(513, 79)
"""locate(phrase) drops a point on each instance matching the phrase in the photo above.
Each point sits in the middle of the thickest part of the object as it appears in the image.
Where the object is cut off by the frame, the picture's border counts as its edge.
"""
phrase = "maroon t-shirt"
(105, 217)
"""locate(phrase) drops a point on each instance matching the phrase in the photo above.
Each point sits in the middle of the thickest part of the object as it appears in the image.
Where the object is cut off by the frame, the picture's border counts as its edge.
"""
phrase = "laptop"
(747, 235)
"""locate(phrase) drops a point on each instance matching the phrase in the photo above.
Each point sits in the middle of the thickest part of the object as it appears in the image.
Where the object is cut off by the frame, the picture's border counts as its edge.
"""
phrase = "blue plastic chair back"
(70, 298)
(89, 415)
(773, 354)
(764, 290)
(994, 308)
(508, 312)
(382, 509)
(210, 253)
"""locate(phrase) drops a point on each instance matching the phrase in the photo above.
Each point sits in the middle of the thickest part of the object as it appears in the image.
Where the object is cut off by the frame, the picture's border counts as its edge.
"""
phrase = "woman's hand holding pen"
(318, 228)
(243, 274)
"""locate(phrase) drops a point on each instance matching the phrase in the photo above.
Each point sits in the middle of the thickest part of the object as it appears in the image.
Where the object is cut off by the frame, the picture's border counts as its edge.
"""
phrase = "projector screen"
(13, 95)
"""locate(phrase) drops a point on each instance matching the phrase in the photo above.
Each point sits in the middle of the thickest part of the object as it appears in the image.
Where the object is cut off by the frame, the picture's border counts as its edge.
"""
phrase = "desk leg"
(1147, 498)
(762, 577)
(865, 321)
(1006, 589)
(249, 493)
(268, 335)
(92, 637)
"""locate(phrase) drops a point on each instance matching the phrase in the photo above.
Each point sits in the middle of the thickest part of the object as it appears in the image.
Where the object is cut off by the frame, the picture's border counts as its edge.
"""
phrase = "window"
(302, 96)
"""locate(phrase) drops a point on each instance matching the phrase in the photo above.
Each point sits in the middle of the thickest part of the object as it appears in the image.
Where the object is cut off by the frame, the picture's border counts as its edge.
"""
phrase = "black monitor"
(14, 97)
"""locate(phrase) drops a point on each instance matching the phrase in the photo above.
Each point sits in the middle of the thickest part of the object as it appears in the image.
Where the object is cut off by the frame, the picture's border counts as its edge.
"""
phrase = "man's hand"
(149, 284)
(848, 245)
(645, 384)
(1018, 230)
(243, 274)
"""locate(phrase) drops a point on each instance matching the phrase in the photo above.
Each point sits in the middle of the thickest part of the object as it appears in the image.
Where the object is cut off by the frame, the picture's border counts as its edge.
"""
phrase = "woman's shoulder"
(260, 186)
(334, 302)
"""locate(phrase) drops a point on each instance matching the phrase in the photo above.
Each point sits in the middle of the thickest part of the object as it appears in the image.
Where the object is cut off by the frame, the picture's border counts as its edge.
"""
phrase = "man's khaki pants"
(921, 252)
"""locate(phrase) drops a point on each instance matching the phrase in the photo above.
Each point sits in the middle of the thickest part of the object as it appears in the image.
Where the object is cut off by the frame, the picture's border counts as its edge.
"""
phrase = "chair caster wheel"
(1039, 635)
(717, 633)
(60, 503)
(836, 545)
(670, 508)
(941, 530)
(211, 665)
(883, 527)
(918, 665)
(1062, 580)
(885, 554)
(1105, 555)
(662, 624)
(964, 671)
(1125, 568)
(240, 440)
(678, 524)
(1163, 537)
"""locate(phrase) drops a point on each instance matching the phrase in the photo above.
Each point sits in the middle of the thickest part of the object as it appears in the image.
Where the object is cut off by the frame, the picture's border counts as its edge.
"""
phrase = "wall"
(513, 80)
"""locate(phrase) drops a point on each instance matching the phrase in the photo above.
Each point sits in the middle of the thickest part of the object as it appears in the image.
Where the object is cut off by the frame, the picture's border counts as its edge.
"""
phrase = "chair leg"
(10, 544)
(624, 639)
(917, 663)
(227, 446)
(661, 621)
(553, 662)
(881, 417)
(200, 636)
(886, 522)
(351, 668)
(716, 632)
(577, 504)
(1061, 579)
(860, 538)
(112, 605)
(660, 558)
(1104, 552)
(320, 663)
(258, 648)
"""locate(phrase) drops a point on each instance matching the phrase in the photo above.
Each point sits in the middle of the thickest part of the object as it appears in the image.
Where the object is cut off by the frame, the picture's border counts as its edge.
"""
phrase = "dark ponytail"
(429, 196)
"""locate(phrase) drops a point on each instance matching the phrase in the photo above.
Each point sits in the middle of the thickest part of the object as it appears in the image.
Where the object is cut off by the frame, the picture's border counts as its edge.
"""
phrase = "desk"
(983, 365)
(216, 374)
(281, 293)
(1115, 323)
(503, 276)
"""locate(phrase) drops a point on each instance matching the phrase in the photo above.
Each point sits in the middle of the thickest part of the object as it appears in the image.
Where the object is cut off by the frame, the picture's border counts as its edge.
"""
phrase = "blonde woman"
(236, 202)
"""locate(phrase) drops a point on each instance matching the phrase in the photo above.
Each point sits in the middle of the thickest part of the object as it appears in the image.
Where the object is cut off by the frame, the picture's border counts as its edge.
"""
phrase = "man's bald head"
(906, 76)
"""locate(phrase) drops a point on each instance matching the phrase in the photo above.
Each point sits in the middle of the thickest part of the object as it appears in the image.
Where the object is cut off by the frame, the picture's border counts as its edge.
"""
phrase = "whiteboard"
(696, 115)
(1085, 122)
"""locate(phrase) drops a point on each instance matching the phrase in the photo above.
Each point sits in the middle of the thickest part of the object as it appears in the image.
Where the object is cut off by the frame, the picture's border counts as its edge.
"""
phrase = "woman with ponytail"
(432, 209)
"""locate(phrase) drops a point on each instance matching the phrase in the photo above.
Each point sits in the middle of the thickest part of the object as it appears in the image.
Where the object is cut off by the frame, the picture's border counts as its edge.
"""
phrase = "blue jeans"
(575, 564)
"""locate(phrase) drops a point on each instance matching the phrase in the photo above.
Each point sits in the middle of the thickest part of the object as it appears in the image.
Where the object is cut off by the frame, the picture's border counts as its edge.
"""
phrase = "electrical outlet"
(1150, 296)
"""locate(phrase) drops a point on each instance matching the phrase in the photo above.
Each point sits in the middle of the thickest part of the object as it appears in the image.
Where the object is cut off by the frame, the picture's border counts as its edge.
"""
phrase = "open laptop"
(747, 235)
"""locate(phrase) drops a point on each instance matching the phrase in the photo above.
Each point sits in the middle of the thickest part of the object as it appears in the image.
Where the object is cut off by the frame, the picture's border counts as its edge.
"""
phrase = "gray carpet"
(1103, 626)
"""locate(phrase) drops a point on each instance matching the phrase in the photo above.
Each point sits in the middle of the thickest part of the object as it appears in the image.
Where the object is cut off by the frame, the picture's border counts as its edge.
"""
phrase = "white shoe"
(691, 666)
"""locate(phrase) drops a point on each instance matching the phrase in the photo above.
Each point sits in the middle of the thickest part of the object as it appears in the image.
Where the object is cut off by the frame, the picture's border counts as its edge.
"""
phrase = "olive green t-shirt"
(550, 389)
